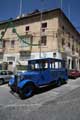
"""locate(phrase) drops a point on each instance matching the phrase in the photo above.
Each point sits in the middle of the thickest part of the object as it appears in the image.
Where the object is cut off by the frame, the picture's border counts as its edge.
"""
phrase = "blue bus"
(40, 72)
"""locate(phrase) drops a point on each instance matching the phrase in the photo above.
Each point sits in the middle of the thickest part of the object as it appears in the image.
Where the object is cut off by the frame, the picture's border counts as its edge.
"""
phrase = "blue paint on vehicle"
(41, 72)
(11, 81)
(22, 83)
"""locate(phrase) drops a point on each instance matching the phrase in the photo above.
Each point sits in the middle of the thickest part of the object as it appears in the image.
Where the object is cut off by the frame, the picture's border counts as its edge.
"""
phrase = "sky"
(11, 8)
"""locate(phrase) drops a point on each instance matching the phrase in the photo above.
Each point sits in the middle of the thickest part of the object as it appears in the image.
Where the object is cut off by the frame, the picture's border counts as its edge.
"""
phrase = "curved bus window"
(56, 65)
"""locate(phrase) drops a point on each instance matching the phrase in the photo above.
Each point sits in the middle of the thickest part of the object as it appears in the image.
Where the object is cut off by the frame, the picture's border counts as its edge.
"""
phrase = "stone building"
(54, 36)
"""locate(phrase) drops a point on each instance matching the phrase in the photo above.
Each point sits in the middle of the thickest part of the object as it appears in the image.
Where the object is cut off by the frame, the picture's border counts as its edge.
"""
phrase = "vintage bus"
(40, 72)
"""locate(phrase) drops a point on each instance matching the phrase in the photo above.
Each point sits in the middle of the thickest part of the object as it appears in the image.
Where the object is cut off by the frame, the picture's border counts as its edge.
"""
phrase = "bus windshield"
(38, 65)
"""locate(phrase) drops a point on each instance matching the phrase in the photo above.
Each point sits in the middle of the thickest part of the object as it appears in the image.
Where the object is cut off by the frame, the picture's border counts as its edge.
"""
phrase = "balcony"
(24, 48)
(25, 55)
(25, 58)
(75, 54)
(66, 49)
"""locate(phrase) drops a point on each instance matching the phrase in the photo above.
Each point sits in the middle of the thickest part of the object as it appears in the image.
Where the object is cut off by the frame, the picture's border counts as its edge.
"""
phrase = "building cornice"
(58, 11)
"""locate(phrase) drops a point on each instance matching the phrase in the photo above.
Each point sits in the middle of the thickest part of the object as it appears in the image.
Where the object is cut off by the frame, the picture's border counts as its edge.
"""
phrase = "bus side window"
(53, 65)
(36, 66)
(59, 65)
(64, 65)
(56, 65)
(46, 65)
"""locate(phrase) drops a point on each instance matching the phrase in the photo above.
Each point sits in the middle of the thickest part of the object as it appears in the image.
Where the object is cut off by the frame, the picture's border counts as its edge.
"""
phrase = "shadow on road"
(38, 90)
(45, 89)
(14, 94)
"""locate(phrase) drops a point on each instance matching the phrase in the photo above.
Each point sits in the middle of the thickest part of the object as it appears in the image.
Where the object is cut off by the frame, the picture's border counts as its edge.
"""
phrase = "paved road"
(52, 104)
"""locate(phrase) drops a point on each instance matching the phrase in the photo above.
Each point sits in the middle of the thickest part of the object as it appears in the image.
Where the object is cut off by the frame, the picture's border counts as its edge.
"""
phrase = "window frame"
(44, 40)
(44, 25)
(27, 28)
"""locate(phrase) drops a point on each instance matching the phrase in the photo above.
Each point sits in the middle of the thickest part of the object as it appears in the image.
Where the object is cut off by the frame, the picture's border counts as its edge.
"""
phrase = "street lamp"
(41, 16)
(20, 10)
(40, 32)
(61, 3)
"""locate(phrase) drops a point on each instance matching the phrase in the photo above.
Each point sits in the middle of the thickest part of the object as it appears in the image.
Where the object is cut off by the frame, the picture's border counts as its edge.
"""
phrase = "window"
(38, 65)
(24, 40)
(63, 41)
(69, 44)
(43, 40)
(11, 58)
(56, 65)
(73, 47)
(63, 30)
(72, 37)
(27, 28)
(25, 55)
(63, 27)
(12, 44)
(52, 65)
(43, 65)
(54, 54)
(59, 65)
(1, 44)
(44, 25)
(1, 56)
(4, 44)
(76, 49)
(68, 34)
(3, 72)
(10, 63)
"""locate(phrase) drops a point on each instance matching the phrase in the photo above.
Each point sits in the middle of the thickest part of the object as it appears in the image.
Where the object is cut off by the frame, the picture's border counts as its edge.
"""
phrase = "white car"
(5, 76)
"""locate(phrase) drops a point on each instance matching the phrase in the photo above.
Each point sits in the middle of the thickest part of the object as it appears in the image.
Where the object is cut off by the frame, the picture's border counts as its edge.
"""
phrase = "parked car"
(5, 75)
(73, 73)
(41, 72)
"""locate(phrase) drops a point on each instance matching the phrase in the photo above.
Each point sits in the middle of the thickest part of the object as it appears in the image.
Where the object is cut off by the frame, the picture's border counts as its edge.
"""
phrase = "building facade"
(54, 36)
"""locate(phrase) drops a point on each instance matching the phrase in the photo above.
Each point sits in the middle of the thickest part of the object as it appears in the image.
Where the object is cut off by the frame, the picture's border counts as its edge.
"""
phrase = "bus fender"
(21, 84)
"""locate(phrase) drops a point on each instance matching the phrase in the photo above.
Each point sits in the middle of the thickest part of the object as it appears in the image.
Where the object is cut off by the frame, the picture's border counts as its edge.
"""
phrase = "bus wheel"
(65, 81)
(27, 91)
(58, 82)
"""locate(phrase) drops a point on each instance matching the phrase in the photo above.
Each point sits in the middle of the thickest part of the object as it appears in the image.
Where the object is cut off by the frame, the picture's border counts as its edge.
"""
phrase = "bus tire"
(58, 82)
(27, 91)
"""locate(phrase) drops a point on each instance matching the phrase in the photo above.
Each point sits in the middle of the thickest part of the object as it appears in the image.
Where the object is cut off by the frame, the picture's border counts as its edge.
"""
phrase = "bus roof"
(46, 59)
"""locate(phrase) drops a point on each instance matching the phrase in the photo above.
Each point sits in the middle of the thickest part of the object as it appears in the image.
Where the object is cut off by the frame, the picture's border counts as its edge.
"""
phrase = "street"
(50, 104)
